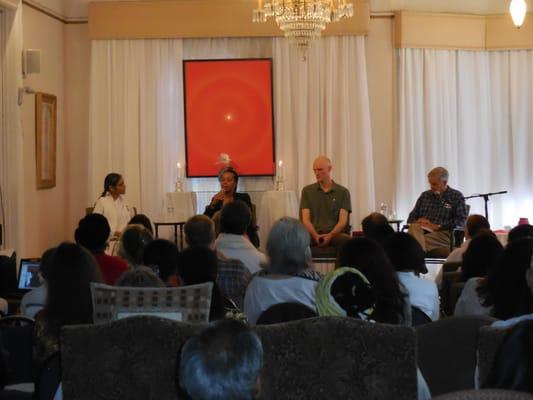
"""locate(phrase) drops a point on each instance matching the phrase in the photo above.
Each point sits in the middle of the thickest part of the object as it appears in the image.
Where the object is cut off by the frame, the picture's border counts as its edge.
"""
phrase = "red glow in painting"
(228, 110)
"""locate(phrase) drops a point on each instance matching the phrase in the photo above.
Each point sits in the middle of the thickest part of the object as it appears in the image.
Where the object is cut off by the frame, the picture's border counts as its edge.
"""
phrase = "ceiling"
(77, 9)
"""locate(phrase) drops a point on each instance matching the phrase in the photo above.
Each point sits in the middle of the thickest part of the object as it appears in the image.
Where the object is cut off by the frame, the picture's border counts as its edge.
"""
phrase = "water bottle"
(383, 209)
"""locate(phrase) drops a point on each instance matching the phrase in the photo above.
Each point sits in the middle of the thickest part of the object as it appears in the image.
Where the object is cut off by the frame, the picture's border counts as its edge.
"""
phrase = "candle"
(179, 170)
(280, 169)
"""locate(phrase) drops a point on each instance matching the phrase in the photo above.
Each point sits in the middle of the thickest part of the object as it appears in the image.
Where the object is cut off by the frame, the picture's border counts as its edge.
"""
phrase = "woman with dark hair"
(407, 257)
(111, 204)
(132, 243)
(229, 178)
(288, 277)
(483, 253)
(369, 257)
(69, 302)
(505, 290)
(162, 255)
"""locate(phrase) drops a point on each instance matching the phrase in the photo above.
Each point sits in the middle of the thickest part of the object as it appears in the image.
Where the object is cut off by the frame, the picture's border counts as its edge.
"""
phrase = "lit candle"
(280, 169)
(179, 170)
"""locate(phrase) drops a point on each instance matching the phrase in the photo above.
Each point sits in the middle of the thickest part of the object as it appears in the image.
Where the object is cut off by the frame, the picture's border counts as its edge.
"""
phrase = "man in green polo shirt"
(325, 207)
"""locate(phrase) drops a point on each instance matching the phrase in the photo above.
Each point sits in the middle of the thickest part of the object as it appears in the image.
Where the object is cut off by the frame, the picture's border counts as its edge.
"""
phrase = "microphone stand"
(485, 197)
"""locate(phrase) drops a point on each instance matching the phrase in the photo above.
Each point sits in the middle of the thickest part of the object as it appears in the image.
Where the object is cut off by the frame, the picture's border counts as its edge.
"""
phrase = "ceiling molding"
(54, 14)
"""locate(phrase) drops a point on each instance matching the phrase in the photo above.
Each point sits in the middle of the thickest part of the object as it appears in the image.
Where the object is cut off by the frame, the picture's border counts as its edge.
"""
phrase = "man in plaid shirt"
(437, 211)
(232, 276)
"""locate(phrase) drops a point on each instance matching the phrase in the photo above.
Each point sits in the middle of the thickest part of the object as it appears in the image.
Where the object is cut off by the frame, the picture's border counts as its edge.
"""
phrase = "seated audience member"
(407, 257)
(520, 231)
(229, 179)
(512, 368)
(368, 257)
(285, 312)
(35, 300)
(162, 256)
(200, 266)
(233, 276)
(482, 255)
(223, 362)
(474, 224)
(376, 226)
(436, 212)
(506, 289)
(288, 277)
(232, 241)
(325, 207)
(346, 292)
(141, 219)
(132, 243)
(71, 272)
(92, 233)
(140, 277)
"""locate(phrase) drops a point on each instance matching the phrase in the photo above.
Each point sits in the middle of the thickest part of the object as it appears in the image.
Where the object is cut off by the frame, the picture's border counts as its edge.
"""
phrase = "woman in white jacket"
(111, 204)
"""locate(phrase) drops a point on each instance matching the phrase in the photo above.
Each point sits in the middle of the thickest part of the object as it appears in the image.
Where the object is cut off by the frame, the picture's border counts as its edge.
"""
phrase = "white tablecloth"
(274, 205)
(178, 206)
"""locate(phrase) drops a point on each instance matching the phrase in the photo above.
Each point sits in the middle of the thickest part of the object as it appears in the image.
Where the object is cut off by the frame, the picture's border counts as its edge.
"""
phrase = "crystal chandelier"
(518, 9)
(302, 20)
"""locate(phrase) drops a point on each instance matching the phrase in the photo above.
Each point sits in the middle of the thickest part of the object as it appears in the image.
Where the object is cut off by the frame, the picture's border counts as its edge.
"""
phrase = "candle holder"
(280, 184)
(179, 185)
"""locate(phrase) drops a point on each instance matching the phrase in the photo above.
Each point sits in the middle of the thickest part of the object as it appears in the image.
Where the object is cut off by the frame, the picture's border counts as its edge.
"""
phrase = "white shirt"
(34, 301)
(239, 247)
(469, 303)
(423, 293)
(263, 292)
(117, 213)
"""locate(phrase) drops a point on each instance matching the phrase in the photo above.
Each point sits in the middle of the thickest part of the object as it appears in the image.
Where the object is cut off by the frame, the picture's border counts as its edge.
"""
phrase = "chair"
(447, 352)
(185, 303)
(485, 394)
(490, 340)
(320, 358)
(48, 378)
(285, 312)
(419, 317)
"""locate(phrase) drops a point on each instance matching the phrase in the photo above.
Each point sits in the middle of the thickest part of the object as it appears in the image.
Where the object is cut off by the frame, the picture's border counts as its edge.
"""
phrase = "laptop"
(28, 276)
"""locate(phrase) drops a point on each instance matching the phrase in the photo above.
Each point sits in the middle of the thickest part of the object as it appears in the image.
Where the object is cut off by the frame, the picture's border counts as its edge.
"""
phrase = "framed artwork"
(45, 139)
(229, 116)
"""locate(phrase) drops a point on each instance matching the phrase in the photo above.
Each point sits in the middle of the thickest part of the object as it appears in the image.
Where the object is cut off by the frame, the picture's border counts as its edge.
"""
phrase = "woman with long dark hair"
(370, 259)
(111, 204)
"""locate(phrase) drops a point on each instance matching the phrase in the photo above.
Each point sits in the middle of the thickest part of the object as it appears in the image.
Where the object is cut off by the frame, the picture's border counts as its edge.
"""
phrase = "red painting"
(228, 116)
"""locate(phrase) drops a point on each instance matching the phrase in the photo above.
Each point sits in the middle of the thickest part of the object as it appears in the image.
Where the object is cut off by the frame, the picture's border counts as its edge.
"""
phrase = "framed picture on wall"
(45, 139)
(229, 116)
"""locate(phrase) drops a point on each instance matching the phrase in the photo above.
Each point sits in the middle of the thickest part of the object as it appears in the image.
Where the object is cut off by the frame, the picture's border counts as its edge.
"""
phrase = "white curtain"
(11, 172)
(321, 107)
(469, 111)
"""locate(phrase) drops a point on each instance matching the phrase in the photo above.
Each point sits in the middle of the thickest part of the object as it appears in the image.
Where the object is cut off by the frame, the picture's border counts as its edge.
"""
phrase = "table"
(178, 207)
(274, 205)
(396, 222)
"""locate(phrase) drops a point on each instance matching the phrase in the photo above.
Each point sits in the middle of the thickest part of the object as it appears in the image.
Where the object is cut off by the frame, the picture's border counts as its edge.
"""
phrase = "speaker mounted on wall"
(31, 62)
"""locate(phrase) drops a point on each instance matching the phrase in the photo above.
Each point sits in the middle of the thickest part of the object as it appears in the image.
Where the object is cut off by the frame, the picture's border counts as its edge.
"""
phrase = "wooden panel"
(444, 31)
(197, 18)
(502, 34)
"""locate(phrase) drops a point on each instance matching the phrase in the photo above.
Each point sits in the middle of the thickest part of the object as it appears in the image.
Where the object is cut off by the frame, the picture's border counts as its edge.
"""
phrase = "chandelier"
(518, 9)
(302, 20)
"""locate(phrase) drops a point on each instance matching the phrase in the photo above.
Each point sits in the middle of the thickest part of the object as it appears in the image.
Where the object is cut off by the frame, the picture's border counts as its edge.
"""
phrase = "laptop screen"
(29, 274)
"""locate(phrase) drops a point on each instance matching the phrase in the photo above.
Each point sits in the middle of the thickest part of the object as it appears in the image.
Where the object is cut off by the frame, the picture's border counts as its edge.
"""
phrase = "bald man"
(325, 207)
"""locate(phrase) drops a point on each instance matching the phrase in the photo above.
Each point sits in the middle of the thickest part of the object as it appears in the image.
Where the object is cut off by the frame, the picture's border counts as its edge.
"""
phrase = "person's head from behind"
(200, 232)
(141, 219)
(93, 232)
(132, 243)
(512, 368)
(114, 185)
(370, 259)
(223, 362)
(438, 179)
(162, 255)
(47, 260)
(140, 277)
(288, 246)
(235, 218)
(69, 294)
(345, 292)
(405, 253)
(197, 265)
(520, 231)
(377, 227)
(475, 224)
(483, 252)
